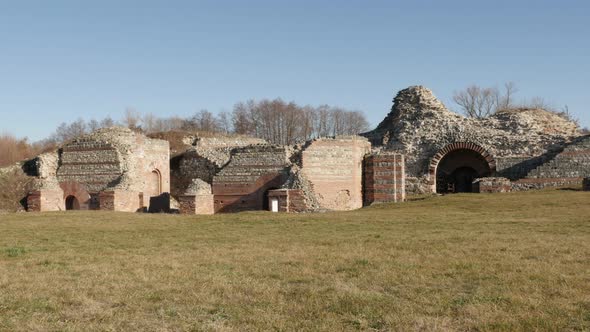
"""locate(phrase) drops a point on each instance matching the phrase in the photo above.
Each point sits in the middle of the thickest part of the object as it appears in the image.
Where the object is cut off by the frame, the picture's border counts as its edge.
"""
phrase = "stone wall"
(586, 184)
(419, 126)
(334, 167)
(205, 159)
(289, 200)
(121, 200)
(384, 178)
(492, 185)
(110, 159)
(252, 171)
(46, 200)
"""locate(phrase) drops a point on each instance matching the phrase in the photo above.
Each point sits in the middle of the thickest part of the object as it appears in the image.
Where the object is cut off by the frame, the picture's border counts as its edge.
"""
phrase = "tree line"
(274, 120)
(481, 102)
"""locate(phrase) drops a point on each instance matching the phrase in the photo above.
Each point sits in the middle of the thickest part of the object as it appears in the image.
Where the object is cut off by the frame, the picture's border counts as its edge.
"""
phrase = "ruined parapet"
(334, 169)
(419, 126)
(384, 178)
(586, 184)
(205, 158)
(243, 184)
(197, 199)
(492, 185)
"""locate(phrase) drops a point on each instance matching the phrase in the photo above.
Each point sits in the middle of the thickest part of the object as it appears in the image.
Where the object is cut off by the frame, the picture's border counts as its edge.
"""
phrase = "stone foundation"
(384, 178)
(121, 200)
(287, 200)
(540, 183)
(46, 200)
(492, 185)
(196, 204)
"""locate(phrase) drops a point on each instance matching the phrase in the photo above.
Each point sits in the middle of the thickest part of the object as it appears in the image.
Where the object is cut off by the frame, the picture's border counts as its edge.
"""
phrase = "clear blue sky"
(60, 60)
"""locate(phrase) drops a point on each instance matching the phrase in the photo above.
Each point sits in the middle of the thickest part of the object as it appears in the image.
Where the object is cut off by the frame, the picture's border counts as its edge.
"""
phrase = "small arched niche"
(72, 203)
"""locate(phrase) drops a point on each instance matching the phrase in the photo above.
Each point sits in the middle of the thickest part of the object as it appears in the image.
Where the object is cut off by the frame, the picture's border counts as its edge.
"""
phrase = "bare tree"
(148, 122)
(202, 120)
(93, 125)
(478, 102)
(107, 122)
(224, 122)
(131, 118)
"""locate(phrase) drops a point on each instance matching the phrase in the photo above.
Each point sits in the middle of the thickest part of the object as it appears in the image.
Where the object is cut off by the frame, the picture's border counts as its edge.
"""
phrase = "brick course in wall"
(46, 200)
(289, 200)
(196, 204)
(252, 171)
(334, 167)
(112, 160)
(121, 200)
(384, 178)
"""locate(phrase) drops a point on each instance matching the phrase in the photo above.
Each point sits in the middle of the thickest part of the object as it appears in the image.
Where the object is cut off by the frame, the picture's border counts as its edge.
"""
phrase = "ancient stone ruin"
(420, 147)
(111, 169)
(445, 152)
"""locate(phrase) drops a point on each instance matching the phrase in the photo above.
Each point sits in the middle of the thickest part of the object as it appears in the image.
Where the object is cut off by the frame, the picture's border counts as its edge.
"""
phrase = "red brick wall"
(290, 200)
(119, 200)
(196, 204)
(384, 178)
(46, 200)
(243, 196)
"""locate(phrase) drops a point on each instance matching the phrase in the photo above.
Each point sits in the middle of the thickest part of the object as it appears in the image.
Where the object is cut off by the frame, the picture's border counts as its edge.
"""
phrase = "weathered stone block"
(334, 167)
(196, 204)
(492, 185)
(46, 200)
(121, 200)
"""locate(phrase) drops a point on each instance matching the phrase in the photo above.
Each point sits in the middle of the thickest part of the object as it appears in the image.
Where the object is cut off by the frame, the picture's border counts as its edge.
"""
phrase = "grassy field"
(501, 262)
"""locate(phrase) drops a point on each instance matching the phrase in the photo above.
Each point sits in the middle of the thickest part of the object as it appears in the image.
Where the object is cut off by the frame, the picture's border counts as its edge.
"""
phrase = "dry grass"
(506, 262)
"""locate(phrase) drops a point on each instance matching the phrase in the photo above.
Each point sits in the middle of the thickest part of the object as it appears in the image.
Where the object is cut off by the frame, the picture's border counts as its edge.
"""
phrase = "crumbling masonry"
(446, 152)
(420, 147)
(111, 169)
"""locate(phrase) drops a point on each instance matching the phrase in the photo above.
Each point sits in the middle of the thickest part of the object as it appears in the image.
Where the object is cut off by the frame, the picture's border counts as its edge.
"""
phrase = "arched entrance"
(454, 167)
(154, 184)
(72, 203)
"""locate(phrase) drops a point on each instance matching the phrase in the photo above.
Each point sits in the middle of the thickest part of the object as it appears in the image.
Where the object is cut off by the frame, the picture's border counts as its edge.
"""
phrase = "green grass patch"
(499, 262)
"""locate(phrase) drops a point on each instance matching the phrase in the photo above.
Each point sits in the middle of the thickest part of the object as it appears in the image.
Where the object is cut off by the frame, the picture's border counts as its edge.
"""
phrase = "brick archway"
(78, 192)
(438, 157)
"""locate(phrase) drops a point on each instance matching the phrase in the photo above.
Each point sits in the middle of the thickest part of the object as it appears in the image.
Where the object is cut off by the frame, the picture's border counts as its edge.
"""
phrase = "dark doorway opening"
(458, 169)
(265, 203)
(72, 203)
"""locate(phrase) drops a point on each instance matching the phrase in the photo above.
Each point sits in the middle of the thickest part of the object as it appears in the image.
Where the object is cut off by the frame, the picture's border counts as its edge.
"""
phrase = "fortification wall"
(252, 171)
(334, 167)
(419, 126)
(205, 159)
